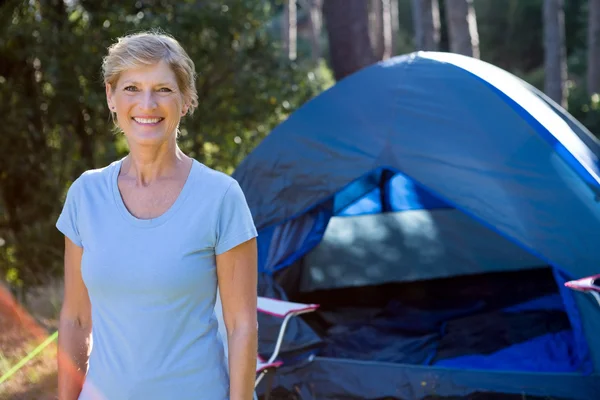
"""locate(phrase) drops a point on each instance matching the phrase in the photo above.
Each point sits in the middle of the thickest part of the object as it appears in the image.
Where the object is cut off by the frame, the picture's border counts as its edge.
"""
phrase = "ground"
(21, 332)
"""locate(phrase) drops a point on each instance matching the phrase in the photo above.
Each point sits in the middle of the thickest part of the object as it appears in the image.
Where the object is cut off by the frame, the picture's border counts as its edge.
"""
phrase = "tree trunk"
(381, 32)
(426, 19)
(462, 27)
(348, 32)
(289, 29)
(593, 66)
(395, 21)
(387, 29)
(555, 60)
(314, 7)
(376, 27)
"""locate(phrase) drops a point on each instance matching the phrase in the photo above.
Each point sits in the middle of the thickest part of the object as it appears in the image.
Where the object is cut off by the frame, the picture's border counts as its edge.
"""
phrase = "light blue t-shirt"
(152, 285)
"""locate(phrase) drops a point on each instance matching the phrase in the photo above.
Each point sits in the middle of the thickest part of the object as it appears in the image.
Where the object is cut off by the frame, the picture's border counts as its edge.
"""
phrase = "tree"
(395, 25)
(555, 58)
(426, 20)
(462, 27)
(381, 28)
(314, 20)
(593, 44)
(348, 32)
(289, 29)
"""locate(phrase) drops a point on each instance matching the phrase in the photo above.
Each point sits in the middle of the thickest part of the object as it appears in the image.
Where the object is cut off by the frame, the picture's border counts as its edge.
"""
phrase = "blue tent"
(435, 205)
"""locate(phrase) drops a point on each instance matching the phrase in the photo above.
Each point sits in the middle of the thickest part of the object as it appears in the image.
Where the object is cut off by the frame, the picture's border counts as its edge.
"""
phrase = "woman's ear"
(109, 99)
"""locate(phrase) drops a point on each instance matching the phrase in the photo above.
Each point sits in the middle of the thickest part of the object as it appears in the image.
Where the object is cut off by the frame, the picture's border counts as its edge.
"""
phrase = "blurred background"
(257, 61)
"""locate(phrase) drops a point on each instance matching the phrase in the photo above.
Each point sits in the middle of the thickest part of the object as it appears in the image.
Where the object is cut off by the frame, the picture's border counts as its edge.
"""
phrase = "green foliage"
(511, 37)
(585, 108)
(56, 123)
(510, 33)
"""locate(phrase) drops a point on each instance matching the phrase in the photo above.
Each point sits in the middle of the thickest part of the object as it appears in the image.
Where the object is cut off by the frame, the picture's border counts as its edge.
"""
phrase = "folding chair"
(281, 309)
(263, 368)
(590, 284)
(285, 310)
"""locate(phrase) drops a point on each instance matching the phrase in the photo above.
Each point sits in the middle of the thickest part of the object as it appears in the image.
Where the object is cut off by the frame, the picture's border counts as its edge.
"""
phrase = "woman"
(147, 238)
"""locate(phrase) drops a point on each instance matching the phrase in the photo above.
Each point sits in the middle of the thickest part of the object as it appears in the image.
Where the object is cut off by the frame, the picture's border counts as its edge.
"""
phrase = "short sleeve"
(67, 221)
(234, 221)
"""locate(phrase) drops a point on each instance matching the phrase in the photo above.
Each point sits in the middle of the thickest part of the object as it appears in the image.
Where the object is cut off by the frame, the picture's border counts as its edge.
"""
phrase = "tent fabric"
(546, 352)
(536, 340)
(407, 246)
(399, 193)
(330, 378)
(281, 245)
(501, 320)
(551, 126)
(470, 134)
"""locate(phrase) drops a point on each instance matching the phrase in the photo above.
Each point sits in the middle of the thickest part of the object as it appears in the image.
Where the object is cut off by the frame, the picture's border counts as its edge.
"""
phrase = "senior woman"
(148, 241)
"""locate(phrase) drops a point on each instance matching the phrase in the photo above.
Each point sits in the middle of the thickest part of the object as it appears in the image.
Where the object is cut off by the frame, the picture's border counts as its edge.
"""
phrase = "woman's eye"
(165, 89)
(130, 89)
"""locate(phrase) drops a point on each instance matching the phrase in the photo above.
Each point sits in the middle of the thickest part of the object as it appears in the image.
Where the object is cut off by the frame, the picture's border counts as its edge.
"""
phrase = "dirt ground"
(20, 333)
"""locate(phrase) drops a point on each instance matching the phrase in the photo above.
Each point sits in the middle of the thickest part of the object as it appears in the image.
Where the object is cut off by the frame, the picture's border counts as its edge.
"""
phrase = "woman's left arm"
(237, 277)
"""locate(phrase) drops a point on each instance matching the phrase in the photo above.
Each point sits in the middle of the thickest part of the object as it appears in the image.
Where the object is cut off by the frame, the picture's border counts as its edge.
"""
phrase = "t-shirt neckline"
(151, 222)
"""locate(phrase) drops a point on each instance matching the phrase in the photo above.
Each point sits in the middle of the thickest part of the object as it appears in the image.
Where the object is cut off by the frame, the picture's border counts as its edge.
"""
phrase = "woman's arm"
(75, 326)
(237, 275)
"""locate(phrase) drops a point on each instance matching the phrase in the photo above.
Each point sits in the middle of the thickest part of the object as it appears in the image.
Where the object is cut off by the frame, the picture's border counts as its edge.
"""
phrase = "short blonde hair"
(147, 48)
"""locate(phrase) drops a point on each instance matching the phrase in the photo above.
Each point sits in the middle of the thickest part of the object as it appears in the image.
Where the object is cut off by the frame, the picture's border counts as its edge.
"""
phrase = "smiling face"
(148, 104)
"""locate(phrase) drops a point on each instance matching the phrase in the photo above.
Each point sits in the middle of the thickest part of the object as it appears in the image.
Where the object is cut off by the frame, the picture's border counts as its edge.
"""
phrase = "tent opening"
(403, 277)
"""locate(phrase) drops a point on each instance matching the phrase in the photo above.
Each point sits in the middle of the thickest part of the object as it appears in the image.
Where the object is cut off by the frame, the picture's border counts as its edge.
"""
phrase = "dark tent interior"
(422, 283)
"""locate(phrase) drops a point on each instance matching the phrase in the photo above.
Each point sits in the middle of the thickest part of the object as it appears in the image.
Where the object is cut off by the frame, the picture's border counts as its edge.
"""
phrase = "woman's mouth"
(148, 120)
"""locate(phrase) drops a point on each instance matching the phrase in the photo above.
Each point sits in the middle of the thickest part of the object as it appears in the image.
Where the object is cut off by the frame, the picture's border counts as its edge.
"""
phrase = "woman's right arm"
(75, 327)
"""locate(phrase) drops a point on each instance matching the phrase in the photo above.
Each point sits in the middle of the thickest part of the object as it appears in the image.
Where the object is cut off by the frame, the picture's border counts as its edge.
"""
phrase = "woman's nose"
(149, 102)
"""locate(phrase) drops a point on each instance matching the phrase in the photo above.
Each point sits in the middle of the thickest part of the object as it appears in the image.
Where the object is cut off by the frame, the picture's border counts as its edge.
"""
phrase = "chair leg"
(269, 385)
(596, 296)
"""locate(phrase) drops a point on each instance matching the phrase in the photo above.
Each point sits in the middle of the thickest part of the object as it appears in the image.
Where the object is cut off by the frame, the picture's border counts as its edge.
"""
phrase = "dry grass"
(20, 333)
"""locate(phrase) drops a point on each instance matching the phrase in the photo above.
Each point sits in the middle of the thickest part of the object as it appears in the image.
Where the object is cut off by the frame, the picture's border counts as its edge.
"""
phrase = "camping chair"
(285, 310)
(281, 309)
(590, 284)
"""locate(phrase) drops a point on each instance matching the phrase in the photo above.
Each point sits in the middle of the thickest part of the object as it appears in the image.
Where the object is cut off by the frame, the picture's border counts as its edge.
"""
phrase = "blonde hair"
(147, 48)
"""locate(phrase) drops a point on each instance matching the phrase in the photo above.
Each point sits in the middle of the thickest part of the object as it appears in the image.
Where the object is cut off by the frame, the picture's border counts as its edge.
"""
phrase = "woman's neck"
(147, 166)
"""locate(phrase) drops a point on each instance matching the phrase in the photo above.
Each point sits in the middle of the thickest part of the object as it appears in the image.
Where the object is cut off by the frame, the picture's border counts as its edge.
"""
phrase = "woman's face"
(148, 104)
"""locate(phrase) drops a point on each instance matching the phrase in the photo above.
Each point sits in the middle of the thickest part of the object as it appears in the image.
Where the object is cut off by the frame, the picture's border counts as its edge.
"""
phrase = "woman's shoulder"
(95, 177)
(213, 179)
